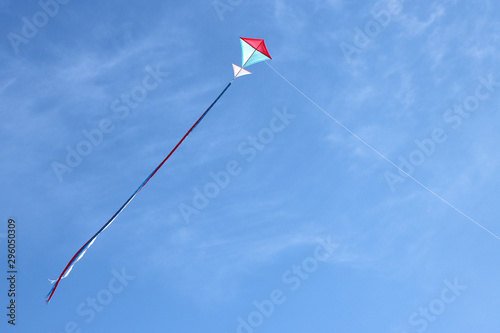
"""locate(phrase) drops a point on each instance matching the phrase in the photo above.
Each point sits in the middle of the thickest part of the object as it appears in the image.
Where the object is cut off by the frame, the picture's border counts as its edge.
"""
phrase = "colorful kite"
(253, 51)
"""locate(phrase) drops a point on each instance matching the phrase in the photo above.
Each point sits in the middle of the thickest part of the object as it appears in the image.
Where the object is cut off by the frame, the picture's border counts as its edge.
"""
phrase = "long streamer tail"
(78, 255)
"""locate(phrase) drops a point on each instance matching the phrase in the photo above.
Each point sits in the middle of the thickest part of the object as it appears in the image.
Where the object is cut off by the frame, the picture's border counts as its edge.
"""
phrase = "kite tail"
(51, 291)
(69, 267)
(78, 255)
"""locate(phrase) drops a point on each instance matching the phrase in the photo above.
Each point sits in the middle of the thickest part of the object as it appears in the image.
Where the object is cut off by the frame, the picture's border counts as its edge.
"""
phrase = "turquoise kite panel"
(246, 51)
(255, 58)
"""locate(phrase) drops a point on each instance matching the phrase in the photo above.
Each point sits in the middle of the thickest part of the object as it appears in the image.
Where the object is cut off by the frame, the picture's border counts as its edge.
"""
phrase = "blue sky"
(308, 229)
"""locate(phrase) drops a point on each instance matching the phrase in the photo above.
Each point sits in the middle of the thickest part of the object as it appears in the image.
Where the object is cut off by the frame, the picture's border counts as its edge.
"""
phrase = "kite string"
(383, 156)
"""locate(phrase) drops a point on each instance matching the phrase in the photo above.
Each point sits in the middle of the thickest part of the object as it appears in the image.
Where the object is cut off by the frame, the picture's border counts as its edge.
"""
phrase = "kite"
(253, 51)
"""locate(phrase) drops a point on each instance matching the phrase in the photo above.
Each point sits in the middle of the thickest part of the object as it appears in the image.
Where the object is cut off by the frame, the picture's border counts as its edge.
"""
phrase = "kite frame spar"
(259, 53)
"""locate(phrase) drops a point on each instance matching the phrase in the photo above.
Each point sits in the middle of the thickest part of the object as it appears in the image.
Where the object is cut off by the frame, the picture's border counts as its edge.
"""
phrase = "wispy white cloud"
(223, 260)
(415, 26)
